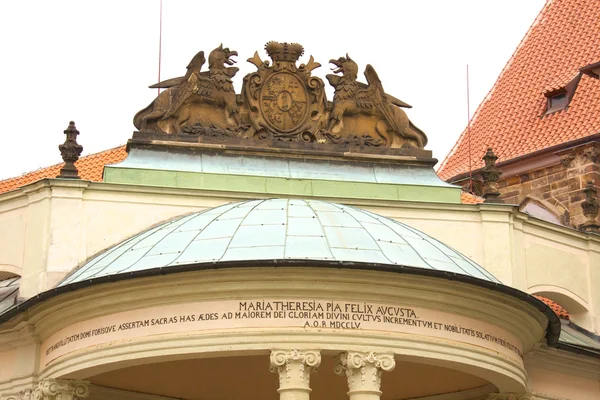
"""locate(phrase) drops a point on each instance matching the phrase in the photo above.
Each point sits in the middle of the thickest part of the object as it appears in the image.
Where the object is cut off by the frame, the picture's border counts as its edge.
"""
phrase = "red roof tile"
(558, 310)
(90, 168)
(468, 198)
(564, 38)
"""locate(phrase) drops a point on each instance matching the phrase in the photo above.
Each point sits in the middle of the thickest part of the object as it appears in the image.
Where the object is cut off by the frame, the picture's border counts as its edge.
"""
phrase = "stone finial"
(590, 206)
(62, 389)
(491, 175)
(70, 151)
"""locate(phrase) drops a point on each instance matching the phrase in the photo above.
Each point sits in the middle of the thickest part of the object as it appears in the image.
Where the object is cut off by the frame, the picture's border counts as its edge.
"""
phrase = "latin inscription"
(308, 314)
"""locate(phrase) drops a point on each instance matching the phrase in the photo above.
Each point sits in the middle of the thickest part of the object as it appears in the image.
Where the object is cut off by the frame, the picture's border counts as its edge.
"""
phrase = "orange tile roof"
(564, 38)
(90, 168)
(558, 309)
(469, 198)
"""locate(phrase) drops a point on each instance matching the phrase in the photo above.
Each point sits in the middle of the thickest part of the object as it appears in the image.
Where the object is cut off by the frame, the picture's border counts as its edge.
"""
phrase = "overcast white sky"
(91, 61)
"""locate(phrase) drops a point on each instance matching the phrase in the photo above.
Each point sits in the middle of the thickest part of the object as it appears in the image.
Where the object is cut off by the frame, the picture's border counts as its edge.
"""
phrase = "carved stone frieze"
(592, 153)
(61, 389)
(580, 156)
(294, 367)
(280, 101)
(363, 370)
(567, 159)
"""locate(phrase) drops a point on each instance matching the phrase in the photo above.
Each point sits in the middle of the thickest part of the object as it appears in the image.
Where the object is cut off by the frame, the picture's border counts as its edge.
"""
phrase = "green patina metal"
(281, 186)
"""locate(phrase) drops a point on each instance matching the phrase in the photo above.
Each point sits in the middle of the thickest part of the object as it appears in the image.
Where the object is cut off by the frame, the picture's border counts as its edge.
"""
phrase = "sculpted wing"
(168, 83)
(378, 97)
(394, 100)
(195, 65)
(334, 80)
(186, 89)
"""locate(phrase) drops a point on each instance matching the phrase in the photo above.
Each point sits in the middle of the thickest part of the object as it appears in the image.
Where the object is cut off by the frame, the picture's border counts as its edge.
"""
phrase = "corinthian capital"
(26, 394)
(363, 370)
(294, 367)
(61, 389)
(510, 396)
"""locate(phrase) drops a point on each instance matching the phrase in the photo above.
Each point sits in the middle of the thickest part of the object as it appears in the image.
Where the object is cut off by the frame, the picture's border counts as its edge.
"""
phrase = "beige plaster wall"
(53, 226)
(7, 366)
(553, 384)
(13, 224)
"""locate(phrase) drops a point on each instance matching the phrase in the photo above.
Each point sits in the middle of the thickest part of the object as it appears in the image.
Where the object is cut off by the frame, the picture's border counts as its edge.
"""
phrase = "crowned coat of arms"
(280, 101)
(284, 100)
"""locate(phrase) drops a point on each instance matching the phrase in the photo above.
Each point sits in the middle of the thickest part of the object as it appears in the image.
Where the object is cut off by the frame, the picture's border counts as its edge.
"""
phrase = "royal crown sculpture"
(281, 101)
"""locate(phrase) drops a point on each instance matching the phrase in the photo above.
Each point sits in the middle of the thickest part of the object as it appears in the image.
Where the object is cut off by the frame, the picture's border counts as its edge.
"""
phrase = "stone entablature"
(122, 317)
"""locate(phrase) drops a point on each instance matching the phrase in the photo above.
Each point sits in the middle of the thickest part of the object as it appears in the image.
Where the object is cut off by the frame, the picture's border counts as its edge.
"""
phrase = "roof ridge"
(488, 96)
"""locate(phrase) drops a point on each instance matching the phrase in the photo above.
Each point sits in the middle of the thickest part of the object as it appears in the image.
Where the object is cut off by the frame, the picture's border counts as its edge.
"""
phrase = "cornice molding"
(511, 314)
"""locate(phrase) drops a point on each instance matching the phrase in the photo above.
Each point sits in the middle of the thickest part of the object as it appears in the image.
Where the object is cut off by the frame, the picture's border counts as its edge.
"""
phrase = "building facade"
(275, 244)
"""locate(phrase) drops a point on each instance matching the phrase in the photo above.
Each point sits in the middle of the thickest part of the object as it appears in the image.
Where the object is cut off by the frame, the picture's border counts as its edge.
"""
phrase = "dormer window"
(560, 93)
(557, 102)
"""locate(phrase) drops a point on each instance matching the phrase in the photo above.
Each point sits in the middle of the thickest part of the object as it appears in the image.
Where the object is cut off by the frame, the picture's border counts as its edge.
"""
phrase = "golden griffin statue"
(196, 98)
(281, 101)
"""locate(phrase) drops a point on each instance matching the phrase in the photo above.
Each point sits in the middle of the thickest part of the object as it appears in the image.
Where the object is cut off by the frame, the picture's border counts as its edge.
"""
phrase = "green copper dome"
(279, 229)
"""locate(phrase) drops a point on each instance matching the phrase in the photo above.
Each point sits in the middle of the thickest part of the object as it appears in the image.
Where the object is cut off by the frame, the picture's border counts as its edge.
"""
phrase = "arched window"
(541, 209)
(9, 292)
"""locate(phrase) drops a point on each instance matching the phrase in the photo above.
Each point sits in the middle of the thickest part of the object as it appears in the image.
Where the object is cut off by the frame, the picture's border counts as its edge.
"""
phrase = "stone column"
(61, 389)
(294, 368)
(363, 370)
